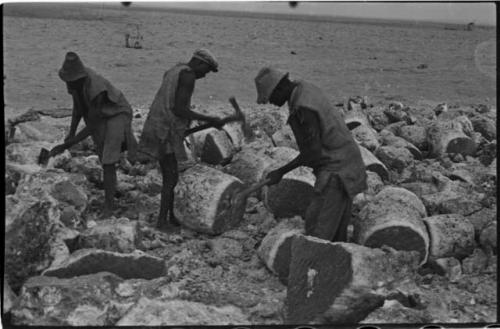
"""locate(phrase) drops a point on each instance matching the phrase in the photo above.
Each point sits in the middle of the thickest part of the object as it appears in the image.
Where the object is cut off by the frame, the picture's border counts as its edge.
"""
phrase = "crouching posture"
(168, 120)
(107, 116)
(325, 144)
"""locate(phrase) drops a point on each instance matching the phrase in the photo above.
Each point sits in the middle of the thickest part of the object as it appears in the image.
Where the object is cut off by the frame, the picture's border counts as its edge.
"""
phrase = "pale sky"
(450, 12)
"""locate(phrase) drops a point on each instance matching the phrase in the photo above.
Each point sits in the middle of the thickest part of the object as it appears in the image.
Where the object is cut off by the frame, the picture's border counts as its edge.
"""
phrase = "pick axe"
(237, 116)
(239, 199)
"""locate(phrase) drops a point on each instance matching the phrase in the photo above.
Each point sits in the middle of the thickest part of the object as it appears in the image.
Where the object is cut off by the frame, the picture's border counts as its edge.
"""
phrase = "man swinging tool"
(167, 122)
(108, 120)
(325, 144)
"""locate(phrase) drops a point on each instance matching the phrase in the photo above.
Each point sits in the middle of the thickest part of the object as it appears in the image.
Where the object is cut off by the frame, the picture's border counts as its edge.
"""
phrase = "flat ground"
(344, 58)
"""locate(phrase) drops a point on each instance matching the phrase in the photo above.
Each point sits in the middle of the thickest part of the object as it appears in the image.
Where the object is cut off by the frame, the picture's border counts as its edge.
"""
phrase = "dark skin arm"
(82, 134)
(306, 128)
(183, 94)
(75, 120)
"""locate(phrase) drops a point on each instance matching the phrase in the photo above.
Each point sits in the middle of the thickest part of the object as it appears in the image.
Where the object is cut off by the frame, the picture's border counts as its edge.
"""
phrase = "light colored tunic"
(110, 119)
(162, 127)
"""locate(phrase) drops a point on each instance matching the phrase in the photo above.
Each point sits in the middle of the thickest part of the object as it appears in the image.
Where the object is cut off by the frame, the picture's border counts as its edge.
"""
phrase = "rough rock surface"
(377, 118)
(489, 237)
(481, 219)
(120, 235)
(84, 300)
(203, 200)
(147, 312)
(451, 235)
(475, 263)
(366, 136)
(8, 298)
(451, 136)
(390, 139)
(127, 266)
(285, 137)
(248, 165)
(25, 153)
(398, 313)
(447, 266)
(393, 218)
(313, 297)
(227, 270)
(486, 127)
(29, 230)
(416, 135)
(217, 148)
(89, 166)
(396, 158)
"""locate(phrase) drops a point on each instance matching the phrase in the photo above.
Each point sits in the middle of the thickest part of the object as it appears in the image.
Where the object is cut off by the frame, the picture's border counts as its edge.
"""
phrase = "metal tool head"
(247, 131)
(43, 157)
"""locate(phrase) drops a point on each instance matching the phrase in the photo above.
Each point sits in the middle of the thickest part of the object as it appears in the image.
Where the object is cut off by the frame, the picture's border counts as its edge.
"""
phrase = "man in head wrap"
(325, 144)
(168, 119)
(107, 116)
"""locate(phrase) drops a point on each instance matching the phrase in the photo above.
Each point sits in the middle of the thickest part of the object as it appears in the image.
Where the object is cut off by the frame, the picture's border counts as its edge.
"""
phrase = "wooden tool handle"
(242, 196)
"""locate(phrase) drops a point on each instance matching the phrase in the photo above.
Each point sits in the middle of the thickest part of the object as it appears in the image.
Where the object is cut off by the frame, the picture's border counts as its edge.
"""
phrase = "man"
(168, 119)
(107, 116)
(325, 145)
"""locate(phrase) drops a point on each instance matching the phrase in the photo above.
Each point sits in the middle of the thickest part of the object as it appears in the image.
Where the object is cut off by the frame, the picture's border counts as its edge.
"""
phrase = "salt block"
(366, 136)
(390, 139)
(292, 195)
(372, 163)
(396, 158)
(135, 265)
(248, 165)
(274, 250)
(393, 218)
(451, 235)
(338, 282)
(450, 137)
(377, 117)
(203, 200)
(217, 148)
(396, 200)
(355, 117)
(235, 134)
(416, 135)
(401, 231)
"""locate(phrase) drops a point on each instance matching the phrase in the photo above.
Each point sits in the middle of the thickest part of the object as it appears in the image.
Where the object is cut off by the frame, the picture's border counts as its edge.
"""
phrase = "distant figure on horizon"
(108, 119)
(325, 144)
(168, 119)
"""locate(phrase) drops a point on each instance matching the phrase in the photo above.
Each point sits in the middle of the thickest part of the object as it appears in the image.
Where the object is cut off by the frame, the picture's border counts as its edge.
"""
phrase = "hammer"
(238, 116)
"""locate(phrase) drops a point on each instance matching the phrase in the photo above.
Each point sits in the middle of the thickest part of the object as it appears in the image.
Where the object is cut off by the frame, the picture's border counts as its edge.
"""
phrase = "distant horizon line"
(323, 17)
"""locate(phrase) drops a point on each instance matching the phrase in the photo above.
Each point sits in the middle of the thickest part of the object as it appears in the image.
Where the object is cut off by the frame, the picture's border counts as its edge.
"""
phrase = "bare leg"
(170, 176)
(109, 188)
